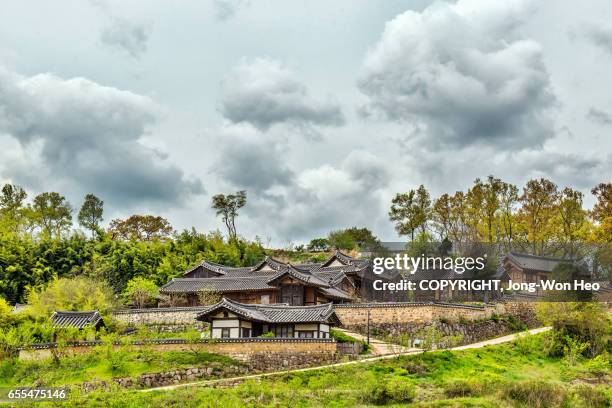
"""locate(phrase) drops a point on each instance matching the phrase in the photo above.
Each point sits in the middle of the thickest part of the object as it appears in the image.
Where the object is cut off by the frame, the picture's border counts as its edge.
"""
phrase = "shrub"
(268, 335)
(382, 391)
(462, 388)
(535, 393)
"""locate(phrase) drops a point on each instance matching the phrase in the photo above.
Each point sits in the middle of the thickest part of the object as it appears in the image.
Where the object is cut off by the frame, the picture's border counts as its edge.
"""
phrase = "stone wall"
(389, 313)
(240, 349)
(158, 316)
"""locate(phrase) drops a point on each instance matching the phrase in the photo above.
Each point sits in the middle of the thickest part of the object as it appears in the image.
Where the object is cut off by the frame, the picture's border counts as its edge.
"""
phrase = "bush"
(268, 335)
(535, 393)
(462, 388)
(383, 391)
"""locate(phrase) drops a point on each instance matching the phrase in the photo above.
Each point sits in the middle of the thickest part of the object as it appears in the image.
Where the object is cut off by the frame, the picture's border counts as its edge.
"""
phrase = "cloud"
(599, 34)
(461, 74)
(249, 162)
(87, 138)
(599, 116)
(126, 36)
(226, 9)
(263, 93)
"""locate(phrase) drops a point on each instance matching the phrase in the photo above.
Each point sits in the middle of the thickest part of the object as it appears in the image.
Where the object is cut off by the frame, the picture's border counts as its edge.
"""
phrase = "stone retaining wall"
(158, 316)
(390, 313)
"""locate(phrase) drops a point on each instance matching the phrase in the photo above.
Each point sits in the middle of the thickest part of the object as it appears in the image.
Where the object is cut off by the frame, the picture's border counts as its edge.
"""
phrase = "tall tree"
(227, 207)
(539, 203)
(573, 218)
(52, 213)
(442, 215)
(91, 212)
(411, 211)
(12, 201)
(602, 211)
(141, 228)
(508, 201)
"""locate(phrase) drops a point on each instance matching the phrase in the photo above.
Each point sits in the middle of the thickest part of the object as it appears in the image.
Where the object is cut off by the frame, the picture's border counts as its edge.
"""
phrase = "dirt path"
(230, 380)
(379, 347)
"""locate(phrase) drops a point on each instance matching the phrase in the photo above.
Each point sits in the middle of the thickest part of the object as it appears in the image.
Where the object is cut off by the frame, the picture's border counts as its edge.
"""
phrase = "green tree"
(227, 207)
(342, 239)
(539, 206)
(91, 212)
(141, 228)
(52, 214)
(140, 292)
(411, 211)
(318, 245)
(573, 221)
(602, 211)
(79, 293)
(12, 200)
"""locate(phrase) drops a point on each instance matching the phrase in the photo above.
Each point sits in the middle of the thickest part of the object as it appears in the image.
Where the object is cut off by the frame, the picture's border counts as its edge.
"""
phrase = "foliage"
(90, 214)
(141, 228)
(352, 238)
(268, 335)
(140, 292)
(319, 245)
(79, 293)
(52, 213)
(227, 207)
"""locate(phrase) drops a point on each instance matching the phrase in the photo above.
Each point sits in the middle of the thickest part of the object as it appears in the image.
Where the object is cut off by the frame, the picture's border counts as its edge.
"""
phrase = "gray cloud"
(600, 35)
(248, 162)
(126, 36)
(599, 116)
(86, 137)
(263, 93)
(226, 9)
(461, 74)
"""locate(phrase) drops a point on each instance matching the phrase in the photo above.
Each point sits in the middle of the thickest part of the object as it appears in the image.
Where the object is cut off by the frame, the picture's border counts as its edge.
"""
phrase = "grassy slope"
(507, 375)
(100, 365)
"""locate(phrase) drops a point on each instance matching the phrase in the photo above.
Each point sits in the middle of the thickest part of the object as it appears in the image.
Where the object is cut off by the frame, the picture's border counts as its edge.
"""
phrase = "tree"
(319, 245)
(52, 213)
(442, 215)
(486, 205)
(91, 212)
(342, 239)
(12, 205)
(140, 292)
(539, 205)
(227, 207)
(410, 211)
(141, 228)
(508, 200)
(573, 218)
(78, 293)
(602, 210)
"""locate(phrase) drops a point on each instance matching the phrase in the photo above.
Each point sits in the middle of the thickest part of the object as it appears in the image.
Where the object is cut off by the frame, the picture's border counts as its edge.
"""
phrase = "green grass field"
(511, 375)
(101, 365)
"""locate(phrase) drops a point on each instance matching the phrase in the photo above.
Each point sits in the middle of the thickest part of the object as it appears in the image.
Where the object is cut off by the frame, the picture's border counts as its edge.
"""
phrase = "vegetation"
(227, 207)
(510, 375)
(103, 363)
(140, 292)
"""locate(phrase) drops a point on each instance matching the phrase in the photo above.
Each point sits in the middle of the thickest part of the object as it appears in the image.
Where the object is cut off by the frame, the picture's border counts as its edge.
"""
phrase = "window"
(306, 334)
(283, 330)
(225, 333)
(265, 299)
(246, 332)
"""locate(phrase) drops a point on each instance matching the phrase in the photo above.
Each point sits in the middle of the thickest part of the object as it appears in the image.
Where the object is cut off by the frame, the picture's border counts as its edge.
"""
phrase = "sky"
(321, 110)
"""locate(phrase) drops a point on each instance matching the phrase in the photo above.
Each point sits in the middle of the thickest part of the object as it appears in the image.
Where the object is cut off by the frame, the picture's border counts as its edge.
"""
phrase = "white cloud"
(463, 74)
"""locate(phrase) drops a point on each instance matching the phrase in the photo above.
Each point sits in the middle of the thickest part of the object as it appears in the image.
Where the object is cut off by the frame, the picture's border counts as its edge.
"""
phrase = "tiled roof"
(194, 285)
(275, 313)
(536, 263)
(301, 275)
(438, 274)
(336, 294)
(76, 319)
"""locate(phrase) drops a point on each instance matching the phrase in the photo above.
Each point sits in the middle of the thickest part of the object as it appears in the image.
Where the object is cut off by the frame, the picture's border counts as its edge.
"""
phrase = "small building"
(79, 320)
(230, 319)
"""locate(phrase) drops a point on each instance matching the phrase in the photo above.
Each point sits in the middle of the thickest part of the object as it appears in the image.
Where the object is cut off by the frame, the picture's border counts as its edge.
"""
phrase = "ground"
(515, 374)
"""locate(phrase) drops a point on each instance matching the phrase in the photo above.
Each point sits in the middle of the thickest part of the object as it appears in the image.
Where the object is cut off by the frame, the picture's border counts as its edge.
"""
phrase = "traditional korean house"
(230, 319)
(339, 279)
(525, 268)
(79, 320)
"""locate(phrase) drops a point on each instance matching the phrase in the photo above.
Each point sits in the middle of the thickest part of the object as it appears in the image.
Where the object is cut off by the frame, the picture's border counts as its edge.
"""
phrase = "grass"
(101, 365)
(510, 375)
